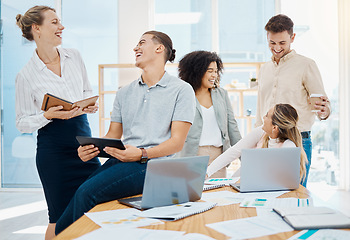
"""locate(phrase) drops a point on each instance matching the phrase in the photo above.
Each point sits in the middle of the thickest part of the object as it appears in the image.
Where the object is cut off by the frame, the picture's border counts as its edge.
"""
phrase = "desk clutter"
(272, 216)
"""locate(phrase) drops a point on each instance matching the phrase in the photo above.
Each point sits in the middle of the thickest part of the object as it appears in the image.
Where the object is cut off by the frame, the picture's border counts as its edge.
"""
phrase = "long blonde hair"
(285, 117)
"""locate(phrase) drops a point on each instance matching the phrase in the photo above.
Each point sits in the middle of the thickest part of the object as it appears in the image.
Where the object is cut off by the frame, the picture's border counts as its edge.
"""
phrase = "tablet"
(101, 143)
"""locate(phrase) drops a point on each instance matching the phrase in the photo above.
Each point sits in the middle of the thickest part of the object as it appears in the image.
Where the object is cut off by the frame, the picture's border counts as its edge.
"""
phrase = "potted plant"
(253, 83)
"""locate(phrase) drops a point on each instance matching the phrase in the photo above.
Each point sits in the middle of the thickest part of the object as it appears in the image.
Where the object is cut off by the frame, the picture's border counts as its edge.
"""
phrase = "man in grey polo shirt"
(153, 114)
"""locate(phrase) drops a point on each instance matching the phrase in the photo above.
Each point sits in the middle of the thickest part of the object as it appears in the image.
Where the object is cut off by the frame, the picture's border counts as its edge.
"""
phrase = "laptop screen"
(269, 169)
(174, 180)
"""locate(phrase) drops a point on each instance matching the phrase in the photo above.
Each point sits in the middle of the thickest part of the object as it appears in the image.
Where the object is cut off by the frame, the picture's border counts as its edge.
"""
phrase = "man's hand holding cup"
(320, 105)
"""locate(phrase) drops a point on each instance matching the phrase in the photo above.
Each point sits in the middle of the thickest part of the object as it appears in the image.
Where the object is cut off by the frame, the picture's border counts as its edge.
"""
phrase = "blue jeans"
(113, 180)
(307, 145)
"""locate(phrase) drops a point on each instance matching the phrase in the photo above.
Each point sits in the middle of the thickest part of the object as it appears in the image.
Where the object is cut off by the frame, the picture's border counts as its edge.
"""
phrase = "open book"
(53, 101)
(178, 211)
(313, 217)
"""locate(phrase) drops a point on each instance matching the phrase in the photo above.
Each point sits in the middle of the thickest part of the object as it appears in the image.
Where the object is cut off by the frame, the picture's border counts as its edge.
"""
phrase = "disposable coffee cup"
(313, 99)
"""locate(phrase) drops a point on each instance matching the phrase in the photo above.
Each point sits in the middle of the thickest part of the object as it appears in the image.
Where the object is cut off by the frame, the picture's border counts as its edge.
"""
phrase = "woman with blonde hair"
(61, 72)
(279, 130)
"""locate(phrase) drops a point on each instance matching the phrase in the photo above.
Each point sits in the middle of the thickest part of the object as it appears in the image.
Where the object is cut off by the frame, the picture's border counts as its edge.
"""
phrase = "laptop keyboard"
(137, 203)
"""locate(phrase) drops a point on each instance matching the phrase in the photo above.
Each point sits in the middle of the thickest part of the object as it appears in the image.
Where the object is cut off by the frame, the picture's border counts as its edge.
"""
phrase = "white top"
(211, 134)
(251, 140)
(35, 80)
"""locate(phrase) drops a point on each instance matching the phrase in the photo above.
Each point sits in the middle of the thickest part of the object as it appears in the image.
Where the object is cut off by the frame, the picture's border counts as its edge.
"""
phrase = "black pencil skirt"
(60, 169)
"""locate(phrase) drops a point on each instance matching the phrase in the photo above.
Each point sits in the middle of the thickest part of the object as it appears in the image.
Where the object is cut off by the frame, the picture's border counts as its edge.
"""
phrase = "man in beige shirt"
(290, 78)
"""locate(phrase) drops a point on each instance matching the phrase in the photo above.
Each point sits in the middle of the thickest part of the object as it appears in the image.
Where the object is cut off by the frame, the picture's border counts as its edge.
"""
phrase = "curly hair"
(34, 15)
(194, 65)
(280, 23)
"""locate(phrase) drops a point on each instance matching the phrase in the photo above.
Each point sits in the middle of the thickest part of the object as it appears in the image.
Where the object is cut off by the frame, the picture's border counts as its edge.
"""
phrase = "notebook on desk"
(171, 181)
(269, 169)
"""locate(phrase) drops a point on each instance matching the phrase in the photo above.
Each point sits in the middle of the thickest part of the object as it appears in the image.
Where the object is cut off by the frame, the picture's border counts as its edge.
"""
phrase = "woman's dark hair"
(194, 65)
(280, 23)
(164, 39)
(34, 15)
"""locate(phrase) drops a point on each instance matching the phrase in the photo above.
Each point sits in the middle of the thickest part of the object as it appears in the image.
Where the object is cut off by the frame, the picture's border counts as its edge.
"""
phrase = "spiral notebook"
(207, 187)
(178, 211)
(212, 183)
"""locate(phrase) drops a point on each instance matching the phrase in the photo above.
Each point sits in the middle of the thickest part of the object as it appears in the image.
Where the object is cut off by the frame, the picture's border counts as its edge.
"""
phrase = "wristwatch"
(144, 157)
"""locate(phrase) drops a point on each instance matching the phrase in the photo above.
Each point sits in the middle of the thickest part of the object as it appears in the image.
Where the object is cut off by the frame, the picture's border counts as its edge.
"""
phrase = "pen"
(298, 202)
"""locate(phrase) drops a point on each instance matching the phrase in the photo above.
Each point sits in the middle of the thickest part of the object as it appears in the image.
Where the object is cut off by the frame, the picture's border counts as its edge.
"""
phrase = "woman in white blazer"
(214, 128)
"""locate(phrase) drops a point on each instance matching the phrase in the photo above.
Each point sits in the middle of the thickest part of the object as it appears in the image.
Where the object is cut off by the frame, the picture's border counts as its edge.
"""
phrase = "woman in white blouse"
(214, 128)
(279, 130)
(60, 72)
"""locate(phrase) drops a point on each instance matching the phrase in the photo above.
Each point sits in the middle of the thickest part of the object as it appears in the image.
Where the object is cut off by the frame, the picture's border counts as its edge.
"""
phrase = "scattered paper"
(329, 234)
(272, 194)
(122, 218)
(265, 212)
(195, 236)
(135, 234)
(276, 202)
(222, 198)
(226, 197)
(251, 227)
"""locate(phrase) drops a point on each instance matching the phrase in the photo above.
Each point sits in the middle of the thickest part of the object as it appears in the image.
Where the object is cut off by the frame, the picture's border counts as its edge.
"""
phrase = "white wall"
(134, 18)
(344, 91)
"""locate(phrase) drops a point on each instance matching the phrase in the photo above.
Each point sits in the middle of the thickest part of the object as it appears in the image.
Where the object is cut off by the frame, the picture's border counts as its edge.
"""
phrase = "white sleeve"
(249, 141)
(27, 118)
(288, 144)
(87, 90)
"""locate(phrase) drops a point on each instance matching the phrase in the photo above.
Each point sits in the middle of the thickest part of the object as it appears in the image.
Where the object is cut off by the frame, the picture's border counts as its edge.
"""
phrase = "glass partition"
(317, 38)
(188, 23)
(241, 30)
(18, 150)
(92, 30)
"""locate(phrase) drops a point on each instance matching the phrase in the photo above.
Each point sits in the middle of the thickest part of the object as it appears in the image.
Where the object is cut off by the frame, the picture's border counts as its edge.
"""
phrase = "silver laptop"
(269, 169)
(171, 181)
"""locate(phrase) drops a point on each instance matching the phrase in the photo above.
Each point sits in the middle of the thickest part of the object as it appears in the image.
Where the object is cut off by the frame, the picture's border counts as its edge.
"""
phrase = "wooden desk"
(192, 224)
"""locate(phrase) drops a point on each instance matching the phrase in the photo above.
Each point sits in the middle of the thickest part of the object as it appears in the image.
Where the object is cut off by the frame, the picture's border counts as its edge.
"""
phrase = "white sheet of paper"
(276, 202)
(222, 197)
(122, 218)
(265, 212)
(329, 234)
(272, 194)
(226, 197)
(251, 227)
(134, 234)
(195, 236)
